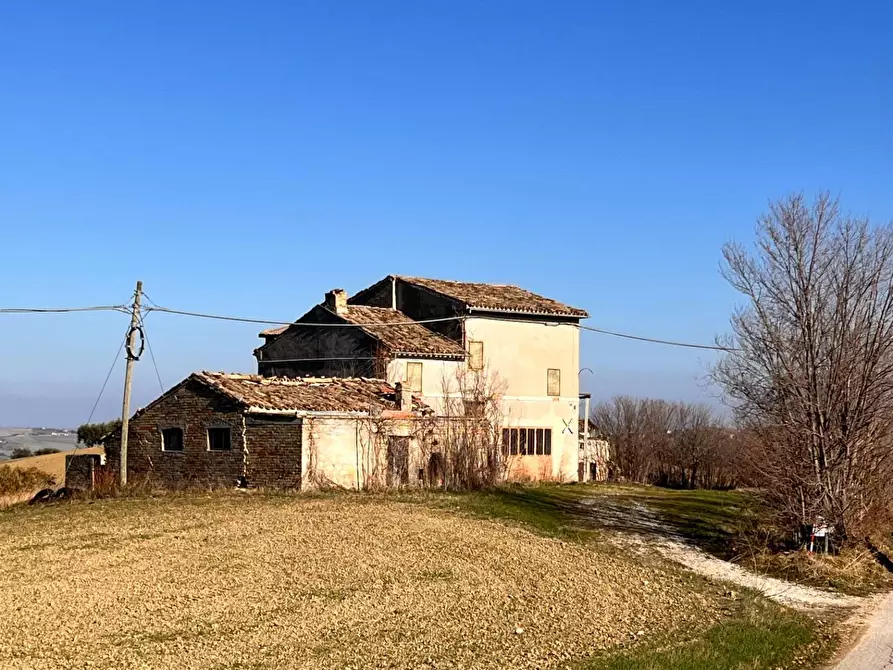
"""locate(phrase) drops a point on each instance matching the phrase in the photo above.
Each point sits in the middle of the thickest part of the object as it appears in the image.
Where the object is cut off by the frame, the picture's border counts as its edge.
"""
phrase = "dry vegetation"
(18, 483)
(255, 581)
(51, 464)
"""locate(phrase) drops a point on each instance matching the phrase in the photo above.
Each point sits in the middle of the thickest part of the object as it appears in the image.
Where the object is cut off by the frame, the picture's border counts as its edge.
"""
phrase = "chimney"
(404, 397)
(336, 301)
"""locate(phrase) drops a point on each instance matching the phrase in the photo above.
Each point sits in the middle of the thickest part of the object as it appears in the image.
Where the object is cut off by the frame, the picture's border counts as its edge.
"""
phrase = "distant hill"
(34, 439)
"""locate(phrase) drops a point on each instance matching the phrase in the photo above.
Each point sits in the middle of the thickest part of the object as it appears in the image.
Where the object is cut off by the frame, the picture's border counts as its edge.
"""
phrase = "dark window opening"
(398, 460)
(527, 441)
(219, 439)
(172, 439)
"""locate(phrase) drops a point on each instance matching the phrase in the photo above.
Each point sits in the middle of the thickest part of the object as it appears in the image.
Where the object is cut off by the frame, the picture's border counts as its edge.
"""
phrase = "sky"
(244, 158)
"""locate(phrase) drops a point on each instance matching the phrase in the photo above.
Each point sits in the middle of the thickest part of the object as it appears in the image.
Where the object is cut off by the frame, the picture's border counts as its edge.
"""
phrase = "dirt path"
(646, 531)
(874, 650)
(779, 590)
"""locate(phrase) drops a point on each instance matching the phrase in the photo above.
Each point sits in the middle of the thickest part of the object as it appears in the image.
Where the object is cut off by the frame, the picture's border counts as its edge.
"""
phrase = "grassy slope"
(757, 632)
(753, 631)
(323, 581)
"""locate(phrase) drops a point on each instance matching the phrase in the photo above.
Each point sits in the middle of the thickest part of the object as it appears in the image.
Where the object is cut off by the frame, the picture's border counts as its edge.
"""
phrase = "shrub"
(91, 434)
(23, 480)
(20, 452)
(46, 450)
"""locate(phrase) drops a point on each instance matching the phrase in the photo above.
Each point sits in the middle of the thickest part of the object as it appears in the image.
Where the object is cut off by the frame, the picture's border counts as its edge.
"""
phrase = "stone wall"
(79, 470)
(193, 408)
(340, 352)
(274, 451)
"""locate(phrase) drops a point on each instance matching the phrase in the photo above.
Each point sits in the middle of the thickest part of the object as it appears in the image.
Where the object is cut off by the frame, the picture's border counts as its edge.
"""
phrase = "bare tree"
(681, 445)
(809, 369)
(469, 431)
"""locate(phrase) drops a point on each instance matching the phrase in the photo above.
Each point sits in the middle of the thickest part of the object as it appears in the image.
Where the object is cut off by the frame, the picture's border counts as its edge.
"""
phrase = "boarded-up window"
(414, 377)
(398, 460)
(475, 355)
(553, 382)
(172, 439)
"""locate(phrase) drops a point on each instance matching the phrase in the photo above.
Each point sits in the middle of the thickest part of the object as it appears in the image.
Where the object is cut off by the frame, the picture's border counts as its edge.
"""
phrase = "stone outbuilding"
(220, 429)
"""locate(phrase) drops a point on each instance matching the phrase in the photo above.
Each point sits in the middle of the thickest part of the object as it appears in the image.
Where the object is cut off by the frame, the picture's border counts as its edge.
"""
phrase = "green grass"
(549, 510)
(758, 635)
(708, 519)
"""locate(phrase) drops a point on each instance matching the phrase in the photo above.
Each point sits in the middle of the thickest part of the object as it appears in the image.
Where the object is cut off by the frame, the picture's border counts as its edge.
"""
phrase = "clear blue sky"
(246, 157)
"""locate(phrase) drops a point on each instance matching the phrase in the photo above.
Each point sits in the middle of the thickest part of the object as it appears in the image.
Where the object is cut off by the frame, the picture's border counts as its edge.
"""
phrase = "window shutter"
(553, 382)
(414, 377)
(475, 355)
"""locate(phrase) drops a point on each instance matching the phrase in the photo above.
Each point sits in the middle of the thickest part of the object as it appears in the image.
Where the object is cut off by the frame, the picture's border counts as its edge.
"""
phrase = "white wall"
(329, 452)
(342, 451)
(517, 356)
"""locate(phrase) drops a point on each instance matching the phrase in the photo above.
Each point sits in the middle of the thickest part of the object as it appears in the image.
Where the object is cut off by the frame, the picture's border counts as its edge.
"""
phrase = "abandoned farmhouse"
(385, 387)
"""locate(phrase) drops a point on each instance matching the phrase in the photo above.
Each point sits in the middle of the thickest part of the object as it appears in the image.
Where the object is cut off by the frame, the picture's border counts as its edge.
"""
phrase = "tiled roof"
(401, 334)
(496, 297)
(394, 329)
(308, 394)
(270, 332)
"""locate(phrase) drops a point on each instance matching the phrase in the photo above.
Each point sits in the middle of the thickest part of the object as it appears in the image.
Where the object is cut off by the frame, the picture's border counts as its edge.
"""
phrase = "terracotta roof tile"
(270, 332)
(394, 329)
(496, 297)
(309, 394)
(400, 333)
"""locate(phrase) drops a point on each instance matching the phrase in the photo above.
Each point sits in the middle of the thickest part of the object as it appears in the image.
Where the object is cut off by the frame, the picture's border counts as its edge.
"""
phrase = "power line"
(271, 322)
(151, 353)
(275, 322)
(62, 310)
(101, 391)
(652, 340)
(601, 331)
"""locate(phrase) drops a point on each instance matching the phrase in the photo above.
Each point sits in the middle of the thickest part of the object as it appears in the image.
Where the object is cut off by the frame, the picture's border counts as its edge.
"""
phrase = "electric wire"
(151, 353)
(101, 391)
(63, 310)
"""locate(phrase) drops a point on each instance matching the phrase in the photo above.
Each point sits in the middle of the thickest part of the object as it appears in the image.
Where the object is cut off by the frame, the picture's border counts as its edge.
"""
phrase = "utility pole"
(128, 376)
(585, 434)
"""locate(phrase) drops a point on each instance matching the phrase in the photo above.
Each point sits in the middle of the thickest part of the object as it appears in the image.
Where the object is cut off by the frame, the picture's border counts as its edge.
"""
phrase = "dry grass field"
(259, 581)
(52, 465)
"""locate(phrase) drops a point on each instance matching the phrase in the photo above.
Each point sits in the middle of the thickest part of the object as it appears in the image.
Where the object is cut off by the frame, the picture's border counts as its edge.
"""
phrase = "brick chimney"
(403, 397)
(336, 301)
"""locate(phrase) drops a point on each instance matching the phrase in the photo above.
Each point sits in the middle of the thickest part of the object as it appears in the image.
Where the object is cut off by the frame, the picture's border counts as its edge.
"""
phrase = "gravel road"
(874, 651)
(650, 533)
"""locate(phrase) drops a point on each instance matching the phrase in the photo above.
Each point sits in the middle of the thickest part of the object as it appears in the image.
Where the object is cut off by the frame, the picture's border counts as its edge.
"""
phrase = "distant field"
(22, 438)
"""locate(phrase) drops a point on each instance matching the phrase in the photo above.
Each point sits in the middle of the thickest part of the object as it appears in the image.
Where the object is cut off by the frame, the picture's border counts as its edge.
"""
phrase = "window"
(527, 441)
(172, 439)
(474, 409)
(475, 355)
(414, 377)
(553, 382)
(219, 439)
